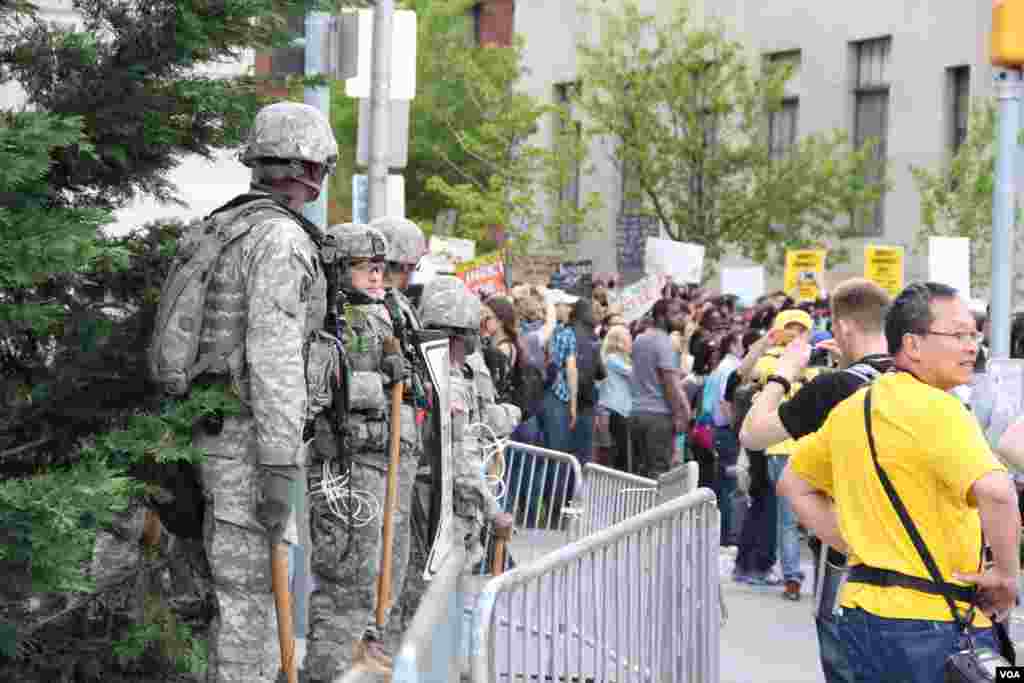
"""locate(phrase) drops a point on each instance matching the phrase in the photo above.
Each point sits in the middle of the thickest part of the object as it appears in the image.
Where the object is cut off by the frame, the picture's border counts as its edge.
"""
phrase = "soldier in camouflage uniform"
(347, 550)
(406, 245)
(266, 302)
(448, 305)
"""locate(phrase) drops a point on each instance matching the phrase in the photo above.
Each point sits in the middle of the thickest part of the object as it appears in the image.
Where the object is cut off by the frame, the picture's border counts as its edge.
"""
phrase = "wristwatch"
(782, 381)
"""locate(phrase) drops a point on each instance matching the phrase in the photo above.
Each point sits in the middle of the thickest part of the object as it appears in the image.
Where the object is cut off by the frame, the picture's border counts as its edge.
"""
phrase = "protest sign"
(884, 267)
(484, 276)
(452, 249)
(532, 269)
(575, 277)
(805, 273)
(949, 262)
(746, 283)
(637, 298)
(682, 261)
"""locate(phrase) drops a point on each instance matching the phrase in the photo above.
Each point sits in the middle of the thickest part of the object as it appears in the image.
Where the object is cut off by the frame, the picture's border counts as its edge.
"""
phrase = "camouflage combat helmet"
(406, 243)
(293, 131)
(446, 302)
(347, 241)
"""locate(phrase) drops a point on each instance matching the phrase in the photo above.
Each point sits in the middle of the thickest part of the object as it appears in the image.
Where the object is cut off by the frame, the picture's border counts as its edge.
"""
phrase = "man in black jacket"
(858, 327)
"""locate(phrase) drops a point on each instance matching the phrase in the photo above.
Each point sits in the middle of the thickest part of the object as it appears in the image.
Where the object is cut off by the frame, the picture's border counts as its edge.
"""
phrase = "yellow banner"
(805, 273)
(884, 266)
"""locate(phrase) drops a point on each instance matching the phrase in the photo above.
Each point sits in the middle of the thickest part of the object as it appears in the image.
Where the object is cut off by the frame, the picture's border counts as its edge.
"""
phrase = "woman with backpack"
(589, 371)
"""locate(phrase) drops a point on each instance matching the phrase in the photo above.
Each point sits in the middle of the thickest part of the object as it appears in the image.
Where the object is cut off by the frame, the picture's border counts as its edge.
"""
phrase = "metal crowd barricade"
(541, 489)
(678, 482)
(437, 638)
(634, 602)
(610, 496)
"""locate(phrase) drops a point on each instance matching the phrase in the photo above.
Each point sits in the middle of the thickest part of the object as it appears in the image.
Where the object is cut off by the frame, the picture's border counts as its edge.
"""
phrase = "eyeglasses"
(368, 266)
(965, 338)
(396, 268)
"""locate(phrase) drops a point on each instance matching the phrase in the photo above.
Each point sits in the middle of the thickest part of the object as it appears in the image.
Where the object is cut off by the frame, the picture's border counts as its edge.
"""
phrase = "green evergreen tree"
(112, 108)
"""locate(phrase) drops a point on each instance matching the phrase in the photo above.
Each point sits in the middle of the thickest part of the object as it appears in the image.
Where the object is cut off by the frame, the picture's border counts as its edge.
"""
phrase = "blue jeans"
(757, 547)
(557, 437)
(583, 435)
(555, 423)
(727, 446)
(834, 662)
(788, 534)
(882, 650)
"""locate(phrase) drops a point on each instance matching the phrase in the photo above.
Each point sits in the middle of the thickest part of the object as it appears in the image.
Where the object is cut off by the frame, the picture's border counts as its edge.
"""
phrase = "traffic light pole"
(1009, 91)
(380, 108)
(317, 27)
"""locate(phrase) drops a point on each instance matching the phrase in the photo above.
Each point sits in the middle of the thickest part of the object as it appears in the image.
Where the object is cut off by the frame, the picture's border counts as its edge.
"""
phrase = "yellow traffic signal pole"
(1008, 56)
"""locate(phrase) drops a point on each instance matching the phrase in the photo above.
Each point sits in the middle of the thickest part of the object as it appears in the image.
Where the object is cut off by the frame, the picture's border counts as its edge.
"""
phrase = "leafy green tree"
(687, 115)
(500, 174)
(956, 199)
(470, 136)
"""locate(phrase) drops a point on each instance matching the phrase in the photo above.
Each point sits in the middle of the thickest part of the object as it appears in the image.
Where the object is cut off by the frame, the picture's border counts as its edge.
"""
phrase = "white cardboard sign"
(682, 261)
(949, 262)
(747, 283)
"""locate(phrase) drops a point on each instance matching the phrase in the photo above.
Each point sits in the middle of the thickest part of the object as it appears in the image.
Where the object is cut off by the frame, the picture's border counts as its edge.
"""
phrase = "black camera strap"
(939, 585)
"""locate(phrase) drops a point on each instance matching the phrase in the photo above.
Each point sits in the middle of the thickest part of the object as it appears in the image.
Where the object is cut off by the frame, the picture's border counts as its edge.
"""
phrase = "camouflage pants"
(346, 562)
(468, 527)
(244, 645)
(415, 585)
(243, 637)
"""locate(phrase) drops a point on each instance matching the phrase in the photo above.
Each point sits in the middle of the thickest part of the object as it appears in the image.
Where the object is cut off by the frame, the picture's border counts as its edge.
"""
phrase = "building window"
(871, 116)
(570, 132)
(782, 128)
(959, 80)
(632, 191)
(782, 124)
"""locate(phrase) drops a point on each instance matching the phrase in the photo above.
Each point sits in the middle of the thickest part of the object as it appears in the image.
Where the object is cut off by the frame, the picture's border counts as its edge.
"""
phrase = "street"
(766, 638)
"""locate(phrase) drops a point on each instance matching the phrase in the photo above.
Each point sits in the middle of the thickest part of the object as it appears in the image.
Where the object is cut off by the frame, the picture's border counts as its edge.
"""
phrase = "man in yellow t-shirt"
(941, 467)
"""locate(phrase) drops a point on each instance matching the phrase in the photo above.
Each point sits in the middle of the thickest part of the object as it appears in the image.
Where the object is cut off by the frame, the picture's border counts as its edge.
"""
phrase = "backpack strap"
(864, 371)
(227, 233)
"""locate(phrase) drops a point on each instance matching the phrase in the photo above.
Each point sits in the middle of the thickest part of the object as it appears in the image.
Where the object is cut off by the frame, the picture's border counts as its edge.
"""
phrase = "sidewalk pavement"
(766, 639)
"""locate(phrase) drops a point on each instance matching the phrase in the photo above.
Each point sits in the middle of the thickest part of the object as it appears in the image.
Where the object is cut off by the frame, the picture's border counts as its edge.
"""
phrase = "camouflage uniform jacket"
(472, 494)
(269, 289)
(367, 326)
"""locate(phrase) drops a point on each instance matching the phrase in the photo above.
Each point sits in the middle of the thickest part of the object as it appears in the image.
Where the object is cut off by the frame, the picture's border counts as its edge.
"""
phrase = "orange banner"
(484, 276)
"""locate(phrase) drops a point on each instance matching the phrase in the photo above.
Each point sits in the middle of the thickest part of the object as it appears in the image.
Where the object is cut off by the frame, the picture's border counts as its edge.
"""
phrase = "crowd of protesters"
(745, 391)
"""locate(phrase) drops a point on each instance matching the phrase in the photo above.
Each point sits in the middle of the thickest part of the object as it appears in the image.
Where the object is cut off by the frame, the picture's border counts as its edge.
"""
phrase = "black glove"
(395, 368)
(278, 487)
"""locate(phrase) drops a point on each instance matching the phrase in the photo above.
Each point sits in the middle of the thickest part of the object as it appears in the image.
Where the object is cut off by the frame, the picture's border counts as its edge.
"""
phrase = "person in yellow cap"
(759, 367)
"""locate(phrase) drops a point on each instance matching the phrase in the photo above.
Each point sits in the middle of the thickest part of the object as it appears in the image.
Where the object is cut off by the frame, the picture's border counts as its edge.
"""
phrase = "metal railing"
(541, 489)
(610, 496)
(678, 482)
(636, 601)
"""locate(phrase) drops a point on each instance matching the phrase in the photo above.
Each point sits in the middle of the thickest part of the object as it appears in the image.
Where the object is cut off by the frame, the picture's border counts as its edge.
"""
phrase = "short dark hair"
(911, 311)
(862, 301)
